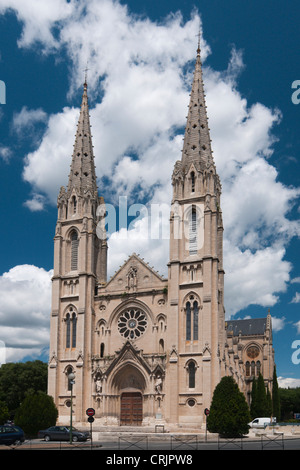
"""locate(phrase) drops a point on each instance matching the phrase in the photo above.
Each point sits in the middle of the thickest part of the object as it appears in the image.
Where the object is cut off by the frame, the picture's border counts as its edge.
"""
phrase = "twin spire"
(196, 146)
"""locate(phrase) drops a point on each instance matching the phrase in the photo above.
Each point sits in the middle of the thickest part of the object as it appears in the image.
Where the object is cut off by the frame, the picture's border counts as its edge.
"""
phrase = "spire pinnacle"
(83, 174)
(197, 136)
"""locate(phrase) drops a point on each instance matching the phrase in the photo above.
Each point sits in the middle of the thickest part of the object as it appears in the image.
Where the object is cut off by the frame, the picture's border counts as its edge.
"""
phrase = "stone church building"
(147, 350)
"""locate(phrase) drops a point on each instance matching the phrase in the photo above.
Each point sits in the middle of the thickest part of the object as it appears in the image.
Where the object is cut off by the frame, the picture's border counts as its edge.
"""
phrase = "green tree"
(229, 413)
(253, 411)
(37, 411)
(17, 379)
(275, 397)
(4, 414)
(261, 405)
(289, 402)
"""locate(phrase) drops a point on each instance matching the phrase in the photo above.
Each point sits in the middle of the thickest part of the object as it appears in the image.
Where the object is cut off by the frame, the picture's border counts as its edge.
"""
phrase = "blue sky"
(140, 56)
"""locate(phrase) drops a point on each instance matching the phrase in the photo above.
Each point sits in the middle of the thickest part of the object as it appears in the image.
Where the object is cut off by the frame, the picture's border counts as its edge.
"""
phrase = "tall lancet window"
(192, 374)
(74, 251)
(71, 328)
(188, 321)
(193, 232)
(195, 320)
(192, 320)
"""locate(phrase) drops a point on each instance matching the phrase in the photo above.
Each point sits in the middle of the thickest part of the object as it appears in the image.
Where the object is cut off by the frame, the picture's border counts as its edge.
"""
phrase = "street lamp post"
(71, 378)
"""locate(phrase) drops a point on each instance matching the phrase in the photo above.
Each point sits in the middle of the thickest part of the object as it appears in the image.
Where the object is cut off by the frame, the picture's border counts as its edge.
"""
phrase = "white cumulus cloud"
(25, 292)
(139, 78)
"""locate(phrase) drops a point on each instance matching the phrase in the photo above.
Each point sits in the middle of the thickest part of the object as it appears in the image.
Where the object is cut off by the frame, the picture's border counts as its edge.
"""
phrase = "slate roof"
(252, 326)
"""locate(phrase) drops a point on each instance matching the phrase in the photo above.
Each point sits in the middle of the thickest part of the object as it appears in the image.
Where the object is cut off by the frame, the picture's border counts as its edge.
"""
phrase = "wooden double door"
(131, 409)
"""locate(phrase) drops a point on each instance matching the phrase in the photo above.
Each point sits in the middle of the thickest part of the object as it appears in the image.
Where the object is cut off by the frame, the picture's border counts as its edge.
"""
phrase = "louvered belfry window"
(74, 251)
(193, 232)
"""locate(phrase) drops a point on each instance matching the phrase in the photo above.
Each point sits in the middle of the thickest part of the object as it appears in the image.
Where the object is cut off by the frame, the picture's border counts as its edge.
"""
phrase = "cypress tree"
(253, 399)
(229, 413)
(261, 398)
(275, 397)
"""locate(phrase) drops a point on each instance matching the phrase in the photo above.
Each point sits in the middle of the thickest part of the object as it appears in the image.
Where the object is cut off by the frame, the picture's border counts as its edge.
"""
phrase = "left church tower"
(80, 264)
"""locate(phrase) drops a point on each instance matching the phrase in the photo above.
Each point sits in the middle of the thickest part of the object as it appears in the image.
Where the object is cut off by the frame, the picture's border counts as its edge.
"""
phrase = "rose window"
(132, 323)
(253, 352)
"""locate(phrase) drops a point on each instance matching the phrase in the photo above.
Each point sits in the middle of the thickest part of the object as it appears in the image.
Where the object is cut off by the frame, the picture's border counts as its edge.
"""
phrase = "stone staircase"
(106, 433)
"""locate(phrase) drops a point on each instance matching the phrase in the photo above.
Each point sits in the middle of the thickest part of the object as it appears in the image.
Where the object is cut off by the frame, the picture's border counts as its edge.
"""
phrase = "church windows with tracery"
(192, 319)
(71, 328)
(252, 368)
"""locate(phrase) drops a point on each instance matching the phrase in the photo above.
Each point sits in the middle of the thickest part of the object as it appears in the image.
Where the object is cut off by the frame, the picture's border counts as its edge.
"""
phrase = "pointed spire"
(83, 174)
(197, 137)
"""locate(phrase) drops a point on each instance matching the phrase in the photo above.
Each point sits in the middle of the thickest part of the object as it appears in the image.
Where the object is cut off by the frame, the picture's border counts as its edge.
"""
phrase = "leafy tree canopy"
(19, 379)
(37, 412)
(229, 413)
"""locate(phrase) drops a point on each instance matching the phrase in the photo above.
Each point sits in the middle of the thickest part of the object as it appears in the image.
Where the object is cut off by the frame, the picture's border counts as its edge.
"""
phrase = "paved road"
(192, 444)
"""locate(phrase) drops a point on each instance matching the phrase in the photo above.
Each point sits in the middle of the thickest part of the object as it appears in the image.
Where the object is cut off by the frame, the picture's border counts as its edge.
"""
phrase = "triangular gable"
(135, 273)
(127, 354)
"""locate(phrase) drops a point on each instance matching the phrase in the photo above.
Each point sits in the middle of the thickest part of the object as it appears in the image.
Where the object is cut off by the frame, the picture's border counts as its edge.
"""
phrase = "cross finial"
(85, 74)
(198, 35)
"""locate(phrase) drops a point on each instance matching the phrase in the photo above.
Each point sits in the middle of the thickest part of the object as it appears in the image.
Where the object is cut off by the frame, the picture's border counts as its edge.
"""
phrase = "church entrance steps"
(139, 432)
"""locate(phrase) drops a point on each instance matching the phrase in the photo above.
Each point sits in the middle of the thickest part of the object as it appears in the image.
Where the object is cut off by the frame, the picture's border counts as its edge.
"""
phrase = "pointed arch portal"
(130, 383)
(131, 409)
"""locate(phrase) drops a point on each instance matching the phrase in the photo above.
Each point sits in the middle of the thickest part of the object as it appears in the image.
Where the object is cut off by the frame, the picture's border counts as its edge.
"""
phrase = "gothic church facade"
(144, 349)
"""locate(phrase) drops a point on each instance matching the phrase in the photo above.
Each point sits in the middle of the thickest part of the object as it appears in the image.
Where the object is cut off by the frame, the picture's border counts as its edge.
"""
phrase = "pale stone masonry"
(147, 350)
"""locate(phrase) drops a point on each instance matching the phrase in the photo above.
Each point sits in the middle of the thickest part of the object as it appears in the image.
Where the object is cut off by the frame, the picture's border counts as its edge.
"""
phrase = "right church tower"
(196, 275)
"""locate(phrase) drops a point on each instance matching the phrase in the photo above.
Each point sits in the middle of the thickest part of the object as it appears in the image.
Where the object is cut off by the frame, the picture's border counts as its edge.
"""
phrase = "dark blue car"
(11, 435)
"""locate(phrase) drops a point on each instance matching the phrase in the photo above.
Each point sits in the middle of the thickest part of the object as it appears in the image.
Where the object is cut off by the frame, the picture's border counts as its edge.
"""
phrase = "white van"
(260, 422)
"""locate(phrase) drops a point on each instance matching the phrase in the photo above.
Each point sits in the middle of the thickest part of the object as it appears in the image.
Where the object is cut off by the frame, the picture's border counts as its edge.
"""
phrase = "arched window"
(68, 330)
(71, 328)
(161, 346)
(102, 350)
(193, 232)
(247, 369)
(68, 372)
(74, 251)
(192, 374)
(258, 368)
(192, 320)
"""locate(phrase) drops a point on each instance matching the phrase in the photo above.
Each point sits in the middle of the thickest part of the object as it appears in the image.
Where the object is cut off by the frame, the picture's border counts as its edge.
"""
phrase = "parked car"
(260, 422)
(11, 435)
(62, 433)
